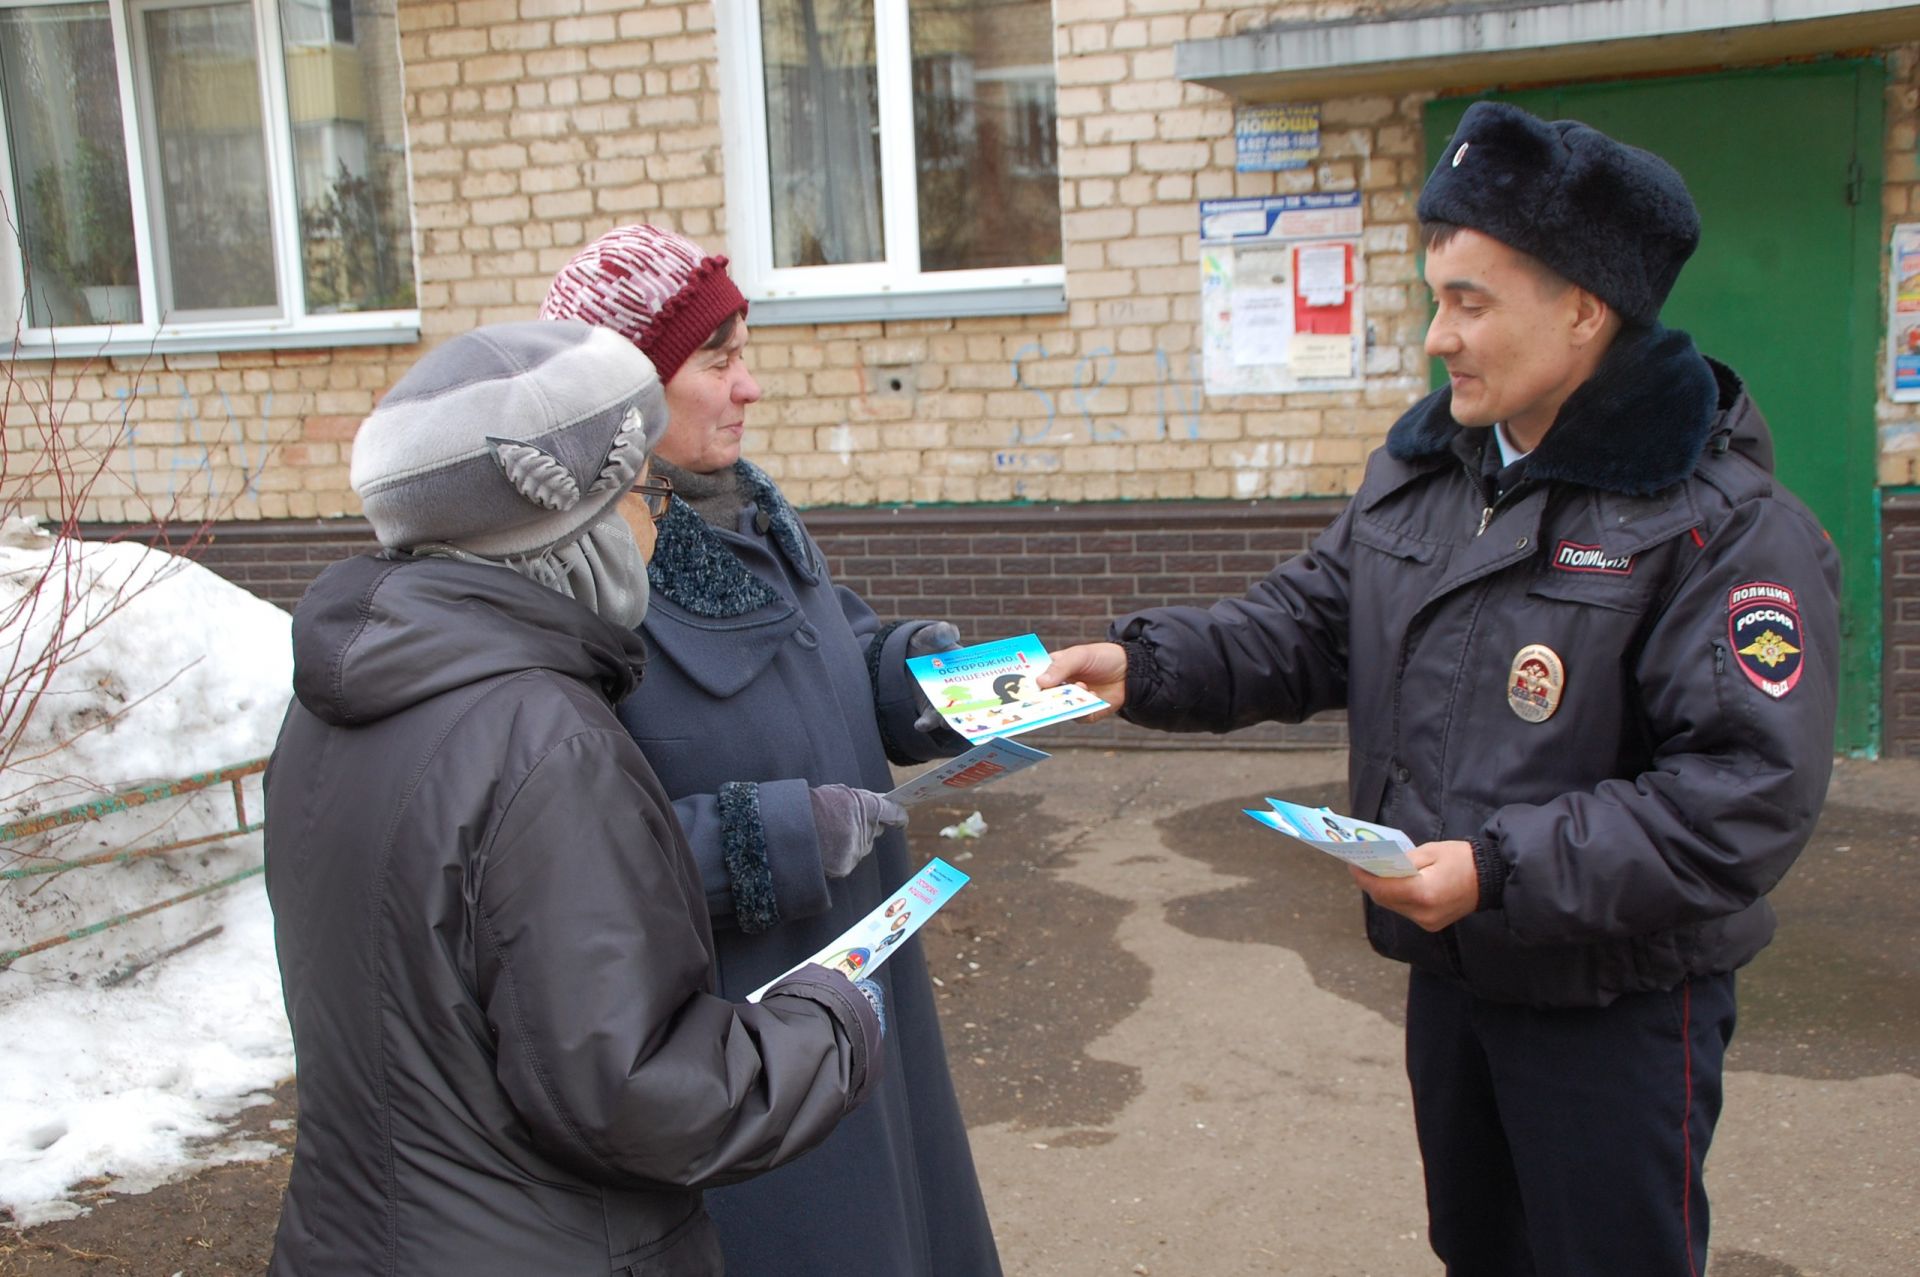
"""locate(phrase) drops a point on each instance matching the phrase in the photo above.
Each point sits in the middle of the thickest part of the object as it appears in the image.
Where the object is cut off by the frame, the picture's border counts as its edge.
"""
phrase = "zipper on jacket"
(1486, 517)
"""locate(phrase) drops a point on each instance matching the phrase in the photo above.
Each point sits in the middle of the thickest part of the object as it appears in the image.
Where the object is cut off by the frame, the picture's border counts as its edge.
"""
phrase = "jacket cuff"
(1491, 869)
(743, 843)
(786, 819)
(851, 1010)
(1141, 670)
(878, 662)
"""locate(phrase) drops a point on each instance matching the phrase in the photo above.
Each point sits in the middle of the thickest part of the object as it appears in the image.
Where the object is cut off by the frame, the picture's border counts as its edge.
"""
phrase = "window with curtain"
(206, 173)
(893, 157)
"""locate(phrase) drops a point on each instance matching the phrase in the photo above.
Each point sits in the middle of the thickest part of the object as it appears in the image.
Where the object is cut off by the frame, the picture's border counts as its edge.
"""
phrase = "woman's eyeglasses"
(658, 491)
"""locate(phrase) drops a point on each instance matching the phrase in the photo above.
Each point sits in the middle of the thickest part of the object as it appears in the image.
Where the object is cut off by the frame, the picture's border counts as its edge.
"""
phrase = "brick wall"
(535, 125)
(1064, 571)
(1900, 626)
(1900, 199)
(1061, 572)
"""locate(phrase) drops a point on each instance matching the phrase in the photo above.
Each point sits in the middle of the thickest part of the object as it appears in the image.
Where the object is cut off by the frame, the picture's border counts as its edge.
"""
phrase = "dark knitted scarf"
(695, 567)
(1636, 426)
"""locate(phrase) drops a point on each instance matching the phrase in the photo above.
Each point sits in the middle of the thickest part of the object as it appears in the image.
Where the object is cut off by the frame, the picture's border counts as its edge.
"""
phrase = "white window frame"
(292, 329)
(893, 289)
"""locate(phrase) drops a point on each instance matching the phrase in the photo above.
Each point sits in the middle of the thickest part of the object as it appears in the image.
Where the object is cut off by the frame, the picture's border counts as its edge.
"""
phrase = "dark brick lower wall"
(1900, 626)
(1063, 572)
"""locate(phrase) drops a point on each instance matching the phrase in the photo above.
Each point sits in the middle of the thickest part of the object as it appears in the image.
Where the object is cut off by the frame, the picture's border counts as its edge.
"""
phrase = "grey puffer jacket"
(496, 954)
(1628, 840)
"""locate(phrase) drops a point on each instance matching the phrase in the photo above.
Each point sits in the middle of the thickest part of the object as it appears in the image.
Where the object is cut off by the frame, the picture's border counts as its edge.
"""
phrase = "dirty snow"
(123, 1054)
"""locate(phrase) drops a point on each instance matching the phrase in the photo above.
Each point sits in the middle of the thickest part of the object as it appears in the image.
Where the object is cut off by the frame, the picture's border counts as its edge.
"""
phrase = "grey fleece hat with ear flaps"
(508, 440)
(1612, 218)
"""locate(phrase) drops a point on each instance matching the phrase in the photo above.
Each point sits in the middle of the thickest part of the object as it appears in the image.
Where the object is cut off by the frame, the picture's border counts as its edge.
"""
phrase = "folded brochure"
(1381, 850)
(860, 949)
(989, 760)
(990, 689)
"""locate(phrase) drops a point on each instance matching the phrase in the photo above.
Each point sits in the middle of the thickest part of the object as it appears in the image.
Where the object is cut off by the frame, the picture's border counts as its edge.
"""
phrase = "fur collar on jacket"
(695, 567)
(1636, 426)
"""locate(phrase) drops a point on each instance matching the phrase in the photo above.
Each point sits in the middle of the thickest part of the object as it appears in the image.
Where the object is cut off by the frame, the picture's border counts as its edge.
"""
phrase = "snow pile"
(123, 1052)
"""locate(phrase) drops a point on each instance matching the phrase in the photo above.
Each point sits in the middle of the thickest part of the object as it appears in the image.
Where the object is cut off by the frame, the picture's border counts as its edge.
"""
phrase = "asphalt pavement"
(1178, 1056)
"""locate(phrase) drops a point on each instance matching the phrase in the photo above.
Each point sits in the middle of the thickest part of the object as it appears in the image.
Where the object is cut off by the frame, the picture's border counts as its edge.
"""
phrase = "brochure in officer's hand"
(860, 949)
(990, 689)
(1381, 850)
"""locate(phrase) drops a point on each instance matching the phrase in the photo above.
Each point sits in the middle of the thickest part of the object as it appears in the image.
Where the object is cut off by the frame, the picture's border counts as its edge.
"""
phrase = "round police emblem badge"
(1536, 682)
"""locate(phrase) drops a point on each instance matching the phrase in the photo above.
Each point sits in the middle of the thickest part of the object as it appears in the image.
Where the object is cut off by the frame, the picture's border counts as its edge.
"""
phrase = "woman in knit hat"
(772, 704)
(492, 937)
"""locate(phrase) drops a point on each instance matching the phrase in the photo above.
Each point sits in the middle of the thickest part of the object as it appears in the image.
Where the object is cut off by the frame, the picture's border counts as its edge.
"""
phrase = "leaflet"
(1381, 850)
(860, 949)
(989, 689)
(987, 761)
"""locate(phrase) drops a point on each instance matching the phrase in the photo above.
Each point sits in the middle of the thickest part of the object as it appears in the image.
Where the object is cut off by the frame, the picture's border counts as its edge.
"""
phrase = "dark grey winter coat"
(764, 678)
(1629, 839)
(496, 953)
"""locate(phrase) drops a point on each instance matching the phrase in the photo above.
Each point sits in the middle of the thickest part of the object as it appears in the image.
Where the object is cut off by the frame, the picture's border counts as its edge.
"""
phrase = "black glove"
(846, 821)
(940, 636)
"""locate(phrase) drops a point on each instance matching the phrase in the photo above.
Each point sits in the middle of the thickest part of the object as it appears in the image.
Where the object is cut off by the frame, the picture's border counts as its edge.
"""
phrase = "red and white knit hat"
(654, 287)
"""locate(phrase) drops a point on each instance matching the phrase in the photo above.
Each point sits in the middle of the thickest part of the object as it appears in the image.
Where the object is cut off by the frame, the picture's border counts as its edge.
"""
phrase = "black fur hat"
(1612, 218)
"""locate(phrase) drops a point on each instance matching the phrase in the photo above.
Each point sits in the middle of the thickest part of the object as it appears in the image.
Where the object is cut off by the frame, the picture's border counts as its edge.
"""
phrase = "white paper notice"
(1323, 274)
(1262, 325)
(1320, 355)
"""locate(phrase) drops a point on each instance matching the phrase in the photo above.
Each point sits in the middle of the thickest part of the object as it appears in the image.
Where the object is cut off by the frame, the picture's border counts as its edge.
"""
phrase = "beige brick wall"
(1900, 196)
(538, 124)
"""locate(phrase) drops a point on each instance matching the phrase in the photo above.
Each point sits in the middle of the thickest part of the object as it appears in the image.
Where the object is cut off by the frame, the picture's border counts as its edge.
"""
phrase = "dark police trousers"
(1567, 1142)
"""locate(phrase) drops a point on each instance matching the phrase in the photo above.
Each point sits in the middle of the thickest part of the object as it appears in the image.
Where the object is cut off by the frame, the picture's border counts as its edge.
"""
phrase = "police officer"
(1587, 644)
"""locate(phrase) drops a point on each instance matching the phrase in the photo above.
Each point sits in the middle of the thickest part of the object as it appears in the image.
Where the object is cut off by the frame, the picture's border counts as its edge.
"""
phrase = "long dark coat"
(496, 957)
(1634, 831)
(763, 679)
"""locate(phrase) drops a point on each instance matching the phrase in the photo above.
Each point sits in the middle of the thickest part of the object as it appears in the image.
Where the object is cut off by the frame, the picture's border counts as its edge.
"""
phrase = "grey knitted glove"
(846, 821)
(879, 1002)
(941, 636)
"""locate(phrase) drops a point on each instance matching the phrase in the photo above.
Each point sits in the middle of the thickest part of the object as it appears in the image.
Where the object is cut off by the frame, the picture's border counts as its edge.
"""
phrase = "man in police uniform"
(1588, 649)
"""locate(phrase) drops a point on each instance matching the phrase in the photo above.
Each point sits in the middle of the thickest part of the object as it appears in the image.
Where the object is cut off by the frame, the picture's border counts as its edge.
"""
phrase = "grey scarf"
(601, 569)
(717, 498)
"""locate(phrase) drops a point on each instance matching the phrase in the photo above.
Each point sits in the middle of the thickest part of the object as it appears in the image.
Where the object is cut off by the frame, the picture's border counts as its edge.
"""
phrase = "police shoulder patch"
(1763, 627)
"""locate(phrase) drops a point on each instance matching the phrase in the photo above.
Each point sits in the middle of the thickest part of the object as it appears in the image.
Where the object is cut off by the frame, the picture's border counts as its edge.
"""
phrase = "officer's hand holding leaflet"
(1101, 668)
(1446, 889)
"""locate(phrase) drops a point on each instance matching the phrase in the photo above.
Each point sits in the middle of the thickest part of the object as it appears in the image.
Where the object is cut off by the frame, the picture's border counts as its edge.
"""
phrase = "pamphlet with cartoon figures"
(861, 948)
(987, 761)
(1381, 850)
(991, 690)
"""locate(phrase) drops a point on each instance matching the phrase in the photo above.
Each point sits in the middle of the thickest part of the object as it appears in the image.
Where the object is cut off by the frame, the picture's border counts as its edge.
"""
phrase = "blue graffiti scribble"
(1189, 395)
(1020, 435)
(1109, 434)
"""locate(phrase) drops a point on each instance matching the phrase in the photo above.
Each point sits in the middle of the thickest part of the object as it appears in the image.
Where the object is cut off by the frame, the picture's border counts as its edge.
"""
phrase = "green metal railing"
(126, 801)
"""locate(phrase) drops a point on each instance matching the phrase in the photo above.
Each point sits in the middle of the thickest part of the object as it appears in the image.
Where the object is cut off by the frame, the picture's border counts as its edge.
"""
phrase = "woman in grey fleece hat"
(492, 936)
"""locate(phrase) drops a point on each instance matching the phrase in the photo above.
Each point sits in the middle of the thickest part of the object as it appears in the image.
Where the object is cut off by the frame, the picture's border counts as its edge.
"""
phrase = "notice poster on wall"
(1903, 319)
(1280, 294)
(1270, 137)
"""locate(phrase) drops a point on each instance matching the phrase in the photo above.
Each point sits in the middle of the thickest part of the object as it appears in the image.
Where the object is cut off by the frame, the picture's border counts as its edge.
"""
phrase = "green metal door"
(1785, 165)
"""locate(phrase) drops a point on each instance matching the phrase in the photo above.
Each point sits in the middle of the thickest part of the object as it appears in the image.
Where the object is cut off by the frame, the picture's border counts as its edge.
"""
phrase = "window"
(892, 158)
(205, 174)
